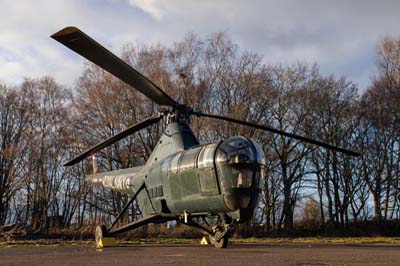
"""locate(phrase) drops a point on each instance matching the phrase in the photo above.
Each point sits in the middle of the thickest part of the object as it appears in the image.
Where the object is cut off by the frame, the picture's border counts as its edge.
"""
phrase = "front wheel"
(217, 240)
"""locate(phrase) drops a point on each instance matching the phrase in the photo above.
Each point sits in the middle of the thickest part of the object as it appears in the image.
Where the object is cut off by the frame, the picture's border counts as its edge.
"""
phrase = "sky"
(340, 36)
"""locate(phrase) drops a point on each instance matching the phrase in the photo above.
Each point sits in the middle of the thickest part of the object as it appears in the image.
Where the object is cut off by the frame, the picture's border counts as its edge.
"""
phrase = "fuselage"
(182, 176)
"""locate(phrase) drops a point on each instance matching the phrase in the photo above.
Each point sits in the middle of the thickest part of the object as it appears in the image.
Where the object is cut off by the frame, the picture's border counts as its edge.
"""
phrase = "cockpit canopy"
(239, 162)
(240, 150)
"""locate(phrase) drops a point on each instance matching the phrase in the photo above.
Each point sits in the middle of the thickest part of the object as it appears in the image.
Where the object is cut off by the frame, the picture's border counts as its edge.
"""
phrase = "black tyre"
(221, 243)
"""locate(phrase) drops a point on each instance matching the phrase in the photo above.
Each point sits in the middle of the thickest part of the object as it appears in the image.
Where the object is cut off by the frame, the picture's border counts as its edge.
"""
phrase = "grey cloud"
(340, 36)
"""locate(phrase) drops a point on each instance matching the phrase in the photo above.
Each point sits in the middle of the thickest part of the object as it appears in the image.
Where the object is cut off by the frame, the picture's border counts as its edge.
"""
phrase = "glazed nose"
(237, 199)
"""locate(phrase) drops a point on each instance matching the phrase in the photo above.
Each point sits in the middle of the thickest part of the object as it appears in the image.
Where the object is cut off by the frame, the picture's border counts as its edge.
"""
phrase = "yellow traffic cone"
(204, 241)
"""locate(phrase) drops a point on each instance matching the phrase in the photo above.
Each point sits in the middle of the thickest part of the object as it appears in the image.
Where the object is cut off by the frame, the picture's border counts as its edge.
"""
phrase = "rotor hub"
(180, 114)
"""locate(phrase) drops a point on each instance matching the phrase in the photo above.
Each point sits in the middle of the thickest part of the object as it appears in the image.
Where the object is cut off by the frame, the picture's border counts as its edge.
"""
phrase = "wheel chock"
(107, 242)
(204, 241)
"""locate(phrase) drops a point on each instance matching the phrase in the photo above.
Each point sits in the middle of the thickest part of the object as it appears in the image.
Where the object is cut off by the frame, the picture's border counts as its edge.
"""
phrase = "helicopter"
(182, 179)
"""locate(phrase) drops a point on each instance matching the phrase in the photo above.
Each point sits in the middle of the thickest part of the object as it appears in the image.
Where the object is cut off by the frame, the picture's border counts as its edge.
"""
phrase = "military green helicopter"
(182, 179)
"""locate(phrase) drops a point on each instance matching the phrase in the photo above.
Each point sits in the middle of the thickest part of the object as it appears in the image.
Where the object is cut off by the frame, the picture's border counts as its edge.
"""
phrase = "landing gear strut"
(220, 238)
(218, 234)
(102, 231)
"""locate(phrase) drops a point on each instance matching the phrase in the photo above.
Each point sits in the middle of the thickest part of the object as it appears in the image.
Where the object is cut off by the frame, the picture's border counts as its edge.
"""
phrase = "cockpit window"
(235, 148)
(237, 177)
(259, 153)
(239, 161)
(245, 177)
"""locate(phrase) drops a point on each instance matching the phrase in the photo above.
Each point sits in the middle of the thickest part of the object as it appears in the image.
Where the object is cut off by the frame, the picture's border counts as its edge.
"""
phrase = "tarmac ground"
(235, 254)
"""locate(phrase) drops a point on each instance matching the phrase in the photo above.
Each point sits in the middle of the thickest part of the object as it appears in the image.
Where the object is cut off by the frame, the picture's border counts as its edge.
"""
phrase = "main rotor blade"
(82, 44)
(130, 130)
(274, 130)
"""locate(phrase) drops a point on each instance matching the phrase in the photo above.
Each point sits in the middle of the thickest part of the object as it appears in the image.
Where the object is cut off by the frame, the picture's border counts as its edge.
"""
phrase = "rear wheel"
(100, 232)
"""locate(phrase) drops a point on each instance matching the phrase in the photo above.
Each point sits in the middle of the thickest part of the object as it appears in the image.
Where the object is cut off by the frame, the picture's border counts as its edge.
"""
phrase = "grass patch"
(172, 241)
(145, 241)
(321, 240)
(43, 243)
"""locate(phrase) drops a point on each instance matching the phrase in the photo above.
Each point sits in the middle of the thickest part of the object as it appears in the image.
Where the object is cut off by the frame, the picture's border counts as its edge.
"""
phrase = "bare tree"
(14, 119)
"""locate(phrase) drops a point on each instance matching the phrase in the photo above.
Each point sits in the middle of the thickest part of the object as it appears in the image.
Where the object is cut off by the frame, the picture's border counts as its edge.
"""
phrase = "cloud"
(340, 36)
(151, 7)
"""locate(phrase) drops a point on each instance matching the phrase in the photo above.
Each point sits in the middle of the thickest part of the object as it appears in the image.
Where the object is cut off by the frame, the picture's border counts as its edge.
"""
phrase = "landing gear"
(100, 232)
(219, 233)
(220, 239)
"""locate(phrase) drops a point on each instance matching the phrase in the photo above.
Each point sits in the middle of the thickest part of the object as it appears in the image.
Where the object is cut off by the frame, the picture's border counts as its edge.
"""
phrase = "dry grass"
(322, 240)
(43, 242)
(147, 241)
(158, 241)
